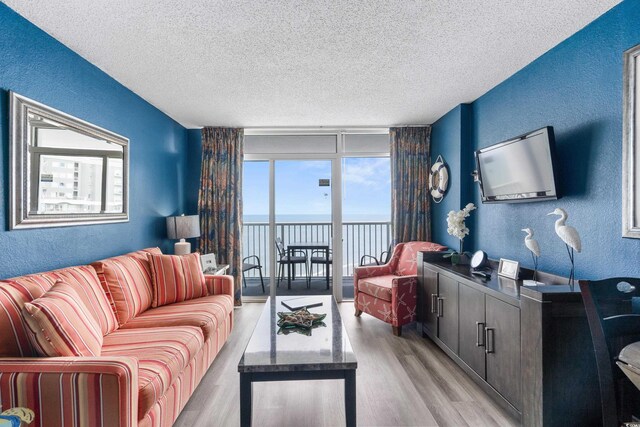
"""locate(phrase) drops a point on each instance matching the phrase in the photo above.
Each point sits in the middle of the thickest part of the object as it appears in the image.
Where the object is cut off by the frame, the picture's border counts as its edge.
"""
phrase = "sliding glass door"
(314, 204)
(366, 214)
(304, 229)
(256, 236)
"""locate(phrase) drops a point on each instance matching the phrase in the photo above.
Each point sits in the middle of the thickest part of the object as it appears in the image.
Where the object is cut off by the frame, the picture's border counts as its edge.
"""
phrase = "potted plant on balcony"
(456, 227)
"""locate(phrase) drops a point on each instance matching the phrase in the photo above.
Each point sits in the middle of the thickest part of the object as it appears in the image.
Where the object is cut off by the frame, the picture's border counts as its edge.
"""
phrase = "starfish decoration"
(299, 329)
(300, 318)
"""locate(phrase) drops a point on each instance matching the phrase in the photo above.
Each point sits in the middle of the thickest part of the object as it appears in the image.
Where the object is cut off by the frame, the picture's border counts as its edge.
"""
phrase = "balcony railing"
(358, 238)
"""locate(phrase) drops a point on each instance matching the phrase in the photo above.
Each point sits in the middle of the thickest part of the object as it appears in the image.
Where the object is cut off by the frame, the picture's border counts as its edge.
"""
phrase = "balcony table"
(307, 246)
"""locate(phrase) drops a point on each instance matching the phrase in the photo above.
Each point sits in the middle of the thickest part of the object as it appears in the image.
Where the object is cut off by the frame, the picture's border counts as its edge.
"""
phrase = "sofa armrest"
(73, 391)
(219, 285)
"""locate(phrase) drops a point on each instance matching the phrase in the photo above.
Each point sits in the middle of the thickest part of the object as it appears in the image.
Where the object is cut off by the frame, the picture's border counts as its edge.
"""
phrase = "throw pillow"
(176, 278)
(126, 279)
(60, 324)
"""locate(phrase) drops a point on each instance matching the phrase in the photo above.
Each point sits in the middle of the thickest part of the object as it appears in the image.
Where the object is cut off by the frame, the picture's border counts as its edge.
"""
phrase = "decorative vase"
(460, 259)
(455, 258)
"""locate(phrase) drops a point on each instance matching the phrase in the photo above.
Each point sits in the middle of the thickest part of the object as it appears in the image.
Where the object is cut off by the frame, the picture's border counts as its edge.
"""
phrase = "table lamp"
(183, 227)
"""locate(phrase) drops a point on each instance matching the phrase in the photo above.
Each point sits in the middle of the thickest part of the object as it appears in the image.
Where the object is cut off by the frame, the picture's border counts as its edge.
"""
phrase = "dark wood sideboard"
(527, 347)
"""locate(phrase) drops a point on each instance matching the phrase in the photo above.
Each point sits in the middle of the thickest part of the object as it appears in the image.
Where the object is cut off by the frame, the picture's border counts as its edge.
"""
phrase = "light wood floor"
(405, 381)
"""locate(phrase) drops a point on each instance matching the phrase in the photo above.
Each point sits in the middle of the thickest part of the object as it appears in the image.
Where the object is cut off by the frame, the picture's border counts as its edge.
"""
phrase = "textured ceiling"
(310, 63)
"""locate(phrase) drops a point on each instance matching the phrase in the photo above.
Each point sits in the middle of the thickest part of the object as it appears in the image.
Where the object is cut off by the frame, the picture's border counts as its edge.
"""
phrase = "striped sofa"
(151, 360)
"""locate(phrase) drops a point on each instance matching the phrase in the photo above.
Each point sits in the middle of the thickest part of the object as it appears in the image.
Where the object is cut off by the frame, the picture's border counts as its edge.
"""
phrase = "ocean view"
(301, 218)
(361, 235)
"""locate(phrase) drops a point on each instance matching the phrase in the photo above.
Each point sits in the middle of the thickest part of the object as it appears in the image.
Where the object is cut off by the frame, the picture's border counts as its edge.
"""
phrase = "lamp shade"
(183, 227)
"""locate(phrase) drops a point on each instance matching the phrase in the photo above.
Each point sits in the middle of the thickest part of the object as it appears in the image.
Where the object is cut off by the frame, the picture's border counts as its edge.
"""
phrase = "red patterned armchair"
(388, 291)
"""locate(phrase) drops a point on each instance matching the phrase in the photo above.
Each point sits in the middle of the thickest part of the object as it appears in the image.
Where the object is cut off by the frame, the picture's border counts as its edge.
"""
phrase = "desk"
(307, 246)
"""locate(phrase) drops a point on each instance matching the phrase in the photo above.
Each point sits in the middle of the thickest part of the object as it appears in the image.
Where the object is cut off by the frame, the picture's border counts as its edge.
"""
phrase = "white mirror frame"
(20, 167)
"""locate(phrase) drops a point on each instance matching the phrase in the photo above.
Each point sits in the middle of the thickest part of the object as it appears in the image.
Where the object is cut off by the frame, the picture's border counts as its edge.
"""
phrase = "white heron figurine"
(569, 236)
(534, 247)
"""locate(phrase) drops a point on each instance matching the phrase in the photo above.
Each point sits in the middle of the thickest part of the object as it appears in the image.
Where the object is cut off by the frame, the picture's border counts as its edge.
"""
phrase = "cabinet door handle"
(433, 302)
(489, 337)
(479, 334)
(440, 306)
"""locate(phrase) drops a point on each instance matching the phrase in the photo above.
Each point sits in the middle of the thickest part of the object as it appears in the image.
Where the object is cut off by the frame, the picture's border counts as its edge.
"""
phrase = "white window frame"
(336, 187)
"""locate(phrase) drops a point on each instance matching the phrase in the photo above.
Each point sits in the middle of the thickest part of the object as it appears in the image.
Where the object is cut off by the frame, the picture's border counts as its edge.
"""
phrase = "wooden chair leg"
(358, 312)
(397, 330)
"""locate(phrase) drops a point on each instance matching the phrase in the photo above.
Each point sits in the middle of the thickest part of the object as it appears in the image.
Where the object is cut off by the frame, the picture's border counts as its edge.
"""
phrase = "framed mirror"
(631, 145)
(64, 171)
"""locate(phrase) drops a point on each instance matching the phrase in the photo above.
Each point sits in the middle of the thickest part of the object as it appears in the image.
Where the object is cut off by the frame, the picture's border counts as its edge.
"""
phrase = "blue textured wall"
(446, 136)
(37, 66)
(577, 88)
(450, 138)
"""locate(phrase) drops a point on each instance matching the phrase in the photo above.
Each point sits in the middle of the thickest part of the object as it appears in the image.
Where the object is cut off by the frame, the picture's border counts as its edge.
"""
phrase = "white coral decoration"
(455, 221)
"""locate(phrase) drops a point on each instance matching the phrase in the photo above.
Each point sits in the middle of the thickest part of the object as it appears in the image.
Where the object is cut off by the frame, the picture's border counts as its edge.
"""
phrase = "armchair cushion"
(126, 279)
(176, 278)
(162, 353)
(61, 325)
(377, 286)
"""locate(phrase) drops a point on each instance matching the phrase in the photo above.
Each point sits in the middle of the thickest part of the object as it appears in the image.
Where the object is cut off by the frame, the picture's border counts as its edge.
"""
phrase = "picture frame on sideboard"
(509, 269)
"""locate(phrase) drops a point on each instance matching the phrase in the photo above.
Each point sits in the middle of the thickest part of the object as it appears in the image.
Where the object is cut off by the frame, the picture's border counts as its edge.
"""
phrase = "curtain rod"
(307, 128)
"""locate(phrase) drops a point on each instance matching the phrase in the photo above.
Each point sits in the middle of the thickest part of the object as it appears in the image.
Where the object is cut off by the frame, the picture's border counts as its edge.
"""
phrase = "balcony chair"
(388, 291)
(382, 259)
(247, 266)
(296, 257)
(613, 312)
(319, 256)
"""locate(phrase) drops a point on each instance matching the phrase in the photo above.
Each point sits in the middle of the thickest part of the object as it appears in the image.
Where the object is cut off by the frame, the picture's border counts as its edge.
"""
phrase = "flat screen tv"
(521, 169)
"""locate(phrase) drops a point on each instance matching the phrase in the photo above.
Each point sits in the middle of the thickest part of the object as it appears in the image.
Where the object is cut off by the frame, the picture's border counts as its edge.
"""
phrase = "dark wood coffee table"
(325, 355)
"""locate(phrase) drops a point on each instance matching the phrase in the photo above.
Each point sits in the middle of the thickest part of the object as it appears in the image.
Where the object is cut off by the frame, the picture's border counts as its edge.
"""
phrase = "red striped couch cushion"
(126, 279)
(176, 278)
(85, 281)
(61, 325)
(14, 293)
(163, 353)
(208, 313)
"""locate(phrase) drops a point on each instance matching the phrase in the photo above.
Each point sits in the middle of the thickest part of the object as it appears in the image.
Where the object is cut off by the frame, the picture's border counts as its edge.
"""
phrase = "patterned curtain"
(410, 203)
(220, 199)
